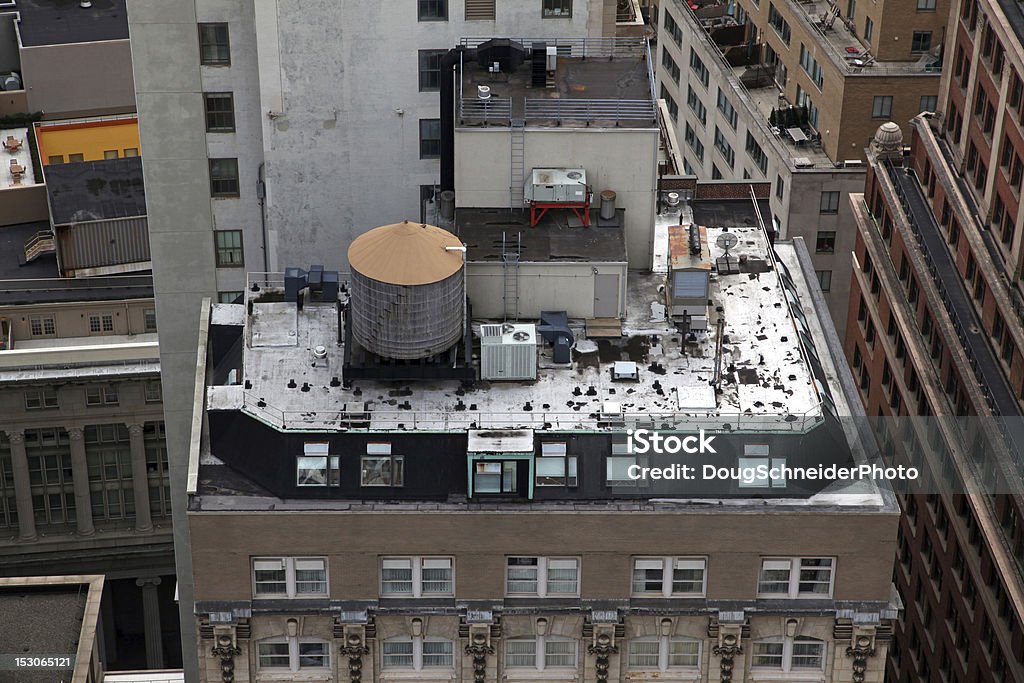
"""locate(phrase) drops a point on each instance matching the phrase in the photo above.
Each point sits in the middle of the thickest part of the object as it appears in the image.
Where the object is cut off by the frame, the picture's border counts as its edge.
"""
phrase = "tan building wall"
(222, 546)
(858, 126)
(23, 204)
(72, 319)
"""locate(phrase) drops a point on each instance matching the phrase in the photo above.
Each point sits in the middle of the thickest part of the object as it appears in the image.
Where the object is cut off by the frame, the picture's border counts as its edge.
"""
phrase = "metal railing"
(40, 243)
(590, 110)
(444, 419)
(492, 110)
(582, 48)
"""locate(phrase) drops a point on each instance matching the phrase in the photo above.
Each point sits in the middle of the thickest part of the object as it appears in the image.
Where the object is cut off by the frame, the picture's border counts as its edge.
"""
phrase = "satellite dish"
(727, 241)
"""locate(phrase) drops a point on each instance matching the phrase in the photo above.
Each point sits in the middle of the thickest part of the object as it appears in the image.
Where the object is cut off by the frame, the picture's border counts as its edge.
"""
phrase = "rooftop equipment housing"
(508, 351)
(555, 185)
(408, 298)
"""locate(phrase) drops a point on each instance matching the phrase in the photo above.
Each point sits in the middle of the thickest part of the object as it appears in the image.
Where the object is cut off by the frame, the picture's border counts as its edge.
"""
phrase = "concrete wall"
(13, 102)
(565, 287)
(342, 148)
(26, 204)
(9, 60)
(166, 66)
(79, 79)
(864, 545)
(623, 160)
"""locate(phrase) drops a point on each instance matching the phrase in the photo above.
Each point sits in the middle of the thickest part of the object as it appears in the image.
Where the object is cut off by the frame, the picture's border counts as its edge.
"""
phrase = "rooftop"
(61, 290)
(596, 81)
(766, 382)
(16, 164)
(557, 237)
(13, 239)
(50, 616)
(95, 190)
(57, 22)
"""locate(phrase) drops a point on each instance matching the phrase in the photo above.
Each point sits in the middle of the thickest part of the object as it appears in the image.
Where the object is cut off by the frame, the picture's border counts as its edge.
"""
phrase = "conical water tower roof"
(406, 254)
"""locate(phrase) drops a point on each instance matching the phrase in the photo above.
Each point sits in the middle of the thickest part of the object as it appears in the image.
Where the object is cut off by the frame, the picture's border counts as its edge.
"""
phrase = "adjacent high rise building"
(935, 330)
(790, 92)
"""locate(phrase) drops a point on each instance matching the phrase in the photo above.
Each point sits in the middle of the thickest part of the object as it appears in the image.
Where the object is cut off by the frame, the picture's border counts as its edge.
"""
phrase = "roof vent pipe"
(483, 92)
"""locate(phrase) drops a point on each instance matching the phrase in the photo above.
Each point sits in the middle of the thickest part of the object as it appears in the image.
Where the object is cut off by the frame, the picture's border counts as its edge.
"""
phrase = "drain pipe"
(447, 95)
(261, 196)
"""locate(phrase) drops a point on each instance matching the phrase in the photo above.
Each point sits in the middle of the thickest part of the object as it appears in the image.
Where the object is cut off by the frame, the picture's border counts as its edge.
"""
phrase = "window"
(495, 476)
(882, 107)
(430, 69)
(670, 102)
(673, 29)
(725, 106)
(662, 653)
(928, 102)
(214, 46)
(316, 466)
(829, 202)
(154, 391)
(557, 8)
(788, 654)
(668, 576)
(780, 187)
(480, 10)
(229, 248)
(417, 653)
(698, 67)
(779, 23)
(41, 399)
(617, 466)
(553, 467)
(100, 396)
(670, 65)
(795, 577)
(416, 577)
(925, 5)
(542, 652)
(825, 242)
(229, 297)
(433, 10)
(42, 326)
(131, 152)
(851, 9)
(293, 654)
(724, 148)
(921, 41)
(869, 29)
(811, 66)
(824, 279)
(149, 320)
(223, 177)
(380, 468)
(76, 157)
(430, 138)
(220, 112)
(542, 576)
(696, 105)
(55, 159)
(756, 456)
(289, 577)
(101, 322)
(756, 153)
(110, 154)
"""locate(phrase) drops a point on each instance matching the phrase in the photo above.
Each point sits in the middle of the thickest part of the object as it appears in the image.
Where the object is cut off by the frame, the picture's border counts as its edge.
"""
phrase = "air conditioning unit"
(852, 163)
(508, 351)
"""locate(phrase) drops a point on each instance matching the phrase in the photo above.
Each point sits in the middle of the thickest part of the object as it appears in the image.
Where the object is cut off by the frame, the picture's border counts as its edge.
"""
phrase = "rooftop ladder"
(517, 162)
(40, 243)
(510, 259)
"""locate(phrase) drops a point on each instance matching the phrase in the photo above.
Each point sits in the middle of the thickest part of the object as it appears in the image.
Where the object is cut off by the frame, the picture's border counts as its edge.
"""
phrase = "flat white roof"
(22, 157)
(766, 383)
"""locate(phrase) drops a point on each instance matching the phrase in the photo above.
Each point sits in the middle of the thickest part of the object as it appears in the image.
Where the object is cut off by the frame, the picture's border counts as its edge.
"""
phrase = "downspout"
(261, 196)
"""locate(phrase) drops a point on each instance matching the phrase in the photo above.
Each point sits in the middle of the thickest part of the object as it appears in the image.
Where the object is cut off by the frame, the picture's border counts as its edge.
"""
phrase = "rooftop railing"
(497, 110)
(442, 419)
(583, 48)
(590, 110)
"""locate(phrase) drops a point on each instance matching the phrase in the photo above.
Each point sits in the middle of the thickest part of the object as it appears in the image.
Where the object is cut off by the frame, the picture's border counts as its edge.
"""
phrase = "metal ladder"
(510, 259)
(517, 160)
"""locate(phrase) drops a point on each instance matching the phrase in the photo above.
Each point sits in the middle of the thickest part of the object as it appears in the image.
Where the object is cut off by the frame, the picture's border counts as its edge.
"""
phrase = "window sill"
(413, 675)
(778, 675)
(668, 674)
(559, 675)
(324, 675)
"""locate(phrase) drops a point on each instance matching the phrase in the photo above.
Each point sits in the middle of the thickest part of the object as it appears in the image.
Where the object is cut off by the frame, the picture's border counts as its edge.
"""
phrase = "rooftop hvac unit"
(567, 185)
(508, 351)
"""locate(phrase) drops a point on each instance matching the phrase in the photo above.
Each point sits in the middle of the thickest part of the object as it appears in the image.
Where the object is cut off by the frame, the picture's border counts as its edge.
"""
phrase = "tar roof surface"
(95, 190)
(57, 22)
(59, 290)
(41, 621)
(12, 245)
(485, 230)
